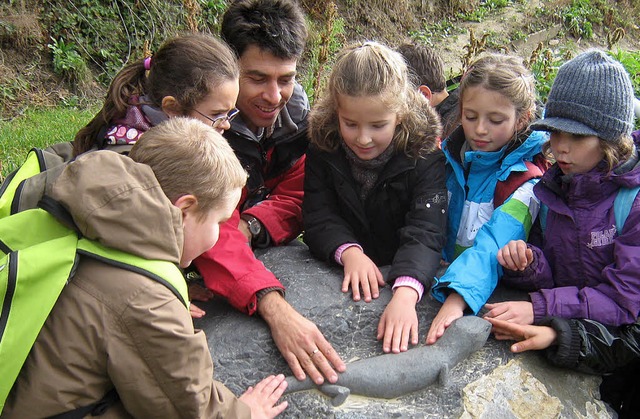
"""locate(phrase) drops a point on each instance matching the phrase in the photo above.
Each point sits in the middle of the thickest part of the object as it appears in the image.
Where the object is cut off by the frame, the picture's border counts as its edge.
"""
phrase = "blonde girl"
(375, 185)
(492, 147)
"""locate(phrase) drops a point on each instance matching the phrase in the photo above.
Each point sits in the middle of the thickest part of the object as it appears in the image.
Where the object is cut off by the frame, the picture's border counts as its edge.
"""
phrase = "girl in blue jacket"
(491, 147)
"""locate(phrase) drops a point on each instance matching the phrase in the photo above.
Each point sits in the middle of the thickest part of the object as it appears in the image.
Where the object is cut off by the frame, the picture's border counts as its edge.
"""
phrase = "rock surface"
(491, 383)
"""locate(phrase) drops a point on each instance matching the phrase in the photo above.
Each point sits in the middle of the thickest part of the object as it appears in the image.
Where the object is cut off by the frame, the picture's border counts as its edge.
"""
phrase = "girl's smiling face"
(366, 125)
(488, 119)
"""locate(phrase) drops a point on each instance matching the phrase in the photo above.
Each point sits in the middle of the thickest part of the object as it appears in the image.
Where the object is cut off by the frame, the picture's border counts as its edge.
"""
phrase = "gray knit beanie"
(591, 95)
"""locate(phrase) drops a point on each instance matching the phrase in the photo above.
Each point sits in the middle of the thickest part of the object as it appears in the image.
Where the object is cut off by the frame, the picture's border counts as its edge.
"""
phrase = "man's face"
(266, 85)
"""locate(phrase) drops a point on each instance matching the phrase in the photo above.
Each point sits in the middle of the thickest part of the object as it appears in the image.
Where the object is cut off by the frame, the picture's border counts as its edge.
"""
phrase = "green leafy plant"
(480, 13)
(109, 33)
(67, 62)
(544, 64)
(579, 18)
(631, 62)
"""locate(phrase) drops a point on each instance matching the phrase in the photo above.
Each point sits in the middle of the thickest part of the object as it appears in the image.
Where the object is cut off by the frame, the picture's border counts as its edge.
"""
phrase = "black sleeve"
(591, 347)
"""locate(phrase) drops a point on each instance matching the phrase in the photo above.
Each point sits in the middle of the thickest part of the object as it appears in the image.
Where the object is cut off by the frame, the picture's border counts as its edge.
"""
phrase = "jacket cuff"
(262, 240)
(411, 282)
(338, 254)
(539, 306)
(266, 291)
(566, 350)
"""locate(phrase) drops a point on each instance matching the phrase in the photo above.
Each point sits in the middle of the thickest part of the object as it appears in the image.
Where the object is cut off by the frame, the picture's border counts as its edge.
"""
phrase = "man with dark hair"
(270, 139)
(427, 72)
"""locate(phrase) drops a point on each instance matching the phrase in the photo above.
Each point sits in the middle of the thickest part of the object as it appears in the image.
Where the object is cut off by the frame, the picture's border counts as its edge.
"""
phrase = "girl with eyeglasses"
(193, 75)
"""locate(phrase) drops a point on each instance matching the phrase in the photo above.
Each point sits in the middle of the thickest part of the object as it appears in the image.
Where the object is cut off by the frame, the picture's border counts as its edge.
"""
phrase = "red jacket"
(273, 195)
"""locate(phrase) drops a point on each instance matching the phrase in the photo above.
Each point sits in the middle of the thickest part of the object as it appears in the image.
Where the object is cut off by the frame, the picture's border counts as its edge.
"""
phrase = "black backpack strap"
(95, 409)
(59, 212)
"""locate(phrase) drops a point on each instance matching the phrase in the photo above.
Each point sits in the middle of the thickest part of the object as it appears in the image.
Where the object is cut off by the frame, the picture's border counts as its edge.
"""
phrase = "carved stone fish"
(393, 375)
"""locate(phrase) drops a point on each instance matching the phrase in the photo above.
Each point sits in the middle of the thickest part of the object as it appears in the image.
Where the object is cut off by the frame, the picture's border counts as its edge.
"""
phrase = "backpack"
(505, 188)
(20, 183)
(35, 267)
(621, 208)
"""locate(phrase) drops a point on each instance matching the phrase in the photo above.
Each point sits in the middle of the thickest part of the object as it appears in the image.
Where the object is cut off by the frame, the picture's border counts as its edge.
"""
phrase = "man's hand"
(243, 226)
(399, 322)
(520, 312)
(359, 270)
(515, 255)
(300, 341)
(529, 337)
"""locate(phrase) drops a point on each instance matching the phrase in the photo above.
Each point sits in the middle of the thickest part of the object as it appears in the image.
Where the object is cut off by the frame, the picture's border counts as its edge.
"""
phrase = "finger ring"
(315, 351)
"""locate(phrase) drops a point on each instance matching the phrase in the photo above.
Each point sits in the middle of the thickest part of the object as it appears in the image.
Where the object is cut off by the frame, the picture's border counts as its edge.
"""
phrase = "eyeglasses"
(220, 119)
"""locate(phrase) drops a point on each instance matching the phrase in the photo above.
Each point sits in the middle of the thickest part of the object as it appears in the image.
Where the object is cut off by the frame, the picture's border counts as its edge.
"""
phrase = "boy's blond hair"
(189, 157)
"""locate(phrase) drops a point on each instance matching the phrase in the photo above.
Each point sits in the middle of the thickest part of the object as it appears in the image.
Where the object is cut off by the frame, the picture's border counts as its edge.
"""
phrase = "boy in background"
(427, 72)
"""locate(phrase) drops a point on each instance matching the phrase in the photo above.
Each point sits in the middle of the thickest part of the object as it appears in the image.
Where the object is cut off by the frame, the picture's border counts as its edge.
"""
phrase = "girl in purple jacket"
(586, 266)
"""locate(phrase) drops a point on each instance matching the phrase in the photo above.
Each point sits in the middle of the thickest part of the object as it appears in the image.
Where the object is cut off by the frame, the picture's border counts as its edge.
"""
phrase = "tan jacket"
(115, 328)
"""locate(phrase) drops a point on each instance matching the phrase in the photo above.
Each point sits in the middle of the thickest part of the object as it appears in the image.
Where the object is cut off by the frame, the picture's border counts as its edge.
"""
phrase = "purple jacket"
(585, 269)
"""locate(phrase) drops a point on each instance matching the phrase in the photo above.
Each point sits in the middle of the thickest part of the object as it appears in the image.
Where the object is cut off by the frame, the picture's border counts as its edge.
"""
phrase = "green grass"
(38, 128)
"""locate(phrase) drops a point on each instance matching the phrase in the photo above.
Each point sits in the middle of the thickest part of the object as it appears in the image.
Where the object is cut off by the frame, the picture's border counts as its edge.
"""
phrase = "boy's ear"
(171, 107)
(188, 204)
(426, 92)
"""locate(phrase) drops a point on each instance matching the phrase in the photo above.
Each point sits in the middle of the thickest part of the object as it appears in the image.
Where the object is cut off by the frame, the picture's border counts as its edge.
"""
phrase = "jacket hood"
(511, 157)
(120, 204)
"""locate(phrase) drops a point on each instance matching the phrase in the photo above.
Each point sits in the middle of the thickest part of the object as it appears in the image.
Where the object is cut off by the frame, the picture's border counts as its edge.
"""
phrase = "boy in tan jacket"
(115, 329)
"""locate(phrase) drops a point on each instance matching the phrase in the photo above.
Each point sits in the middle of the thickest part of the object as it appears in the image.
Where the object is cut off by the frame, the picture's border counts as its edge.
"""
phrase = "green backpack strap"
(33, 165)
(37, 161)
(622, 205)
(161, 271)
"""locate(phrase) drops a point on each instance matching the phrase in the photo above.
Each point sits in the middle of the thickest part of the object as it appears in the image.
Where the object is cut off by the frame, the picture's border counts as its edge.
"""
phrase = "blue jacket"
(476, 230)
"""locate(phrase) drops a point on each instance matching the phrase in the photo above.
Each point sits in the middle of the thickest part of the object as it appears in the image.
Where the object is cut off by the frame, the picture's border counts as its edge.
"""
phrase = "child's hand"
(520, 312)
(453, 308)
(359, 270)
(399, 321)
(199, 293)
(196, 312)
(530, 337)
(263, 397)
(515, 255)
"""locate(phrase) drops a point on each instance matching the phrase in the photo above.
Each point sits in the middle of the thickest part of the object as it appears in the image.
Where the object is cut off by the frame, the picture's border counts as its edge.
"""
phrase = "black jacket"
(402, 222)
(591, 347)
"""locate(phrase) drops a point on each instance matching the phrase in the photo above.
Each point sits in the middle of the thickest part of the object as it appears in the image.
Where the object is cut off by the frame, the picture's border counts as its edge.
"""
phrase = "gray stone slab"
(243, 353)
